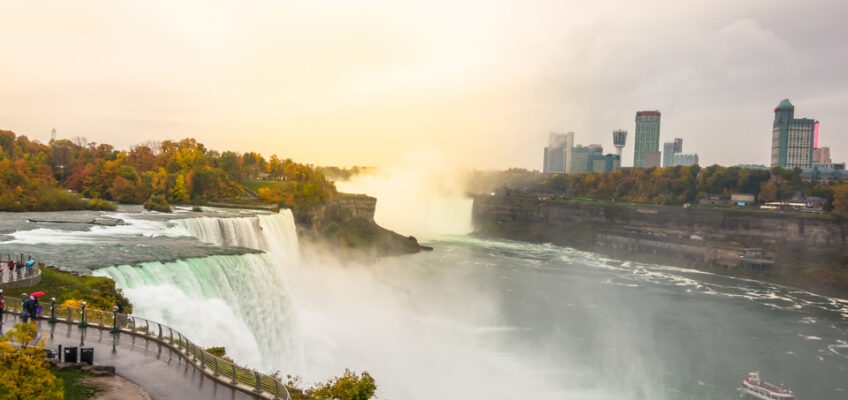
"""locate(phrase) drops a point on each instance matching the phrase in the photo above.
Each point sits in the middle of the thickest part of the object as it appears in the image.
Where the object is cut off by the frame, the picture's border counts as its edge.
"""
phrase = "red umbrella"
(36, 294)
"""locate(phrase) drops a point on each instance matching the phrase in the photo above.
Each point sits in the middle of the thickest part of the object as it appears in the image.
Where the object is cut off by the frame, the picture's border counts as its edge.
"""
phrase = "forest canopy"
(38, 177)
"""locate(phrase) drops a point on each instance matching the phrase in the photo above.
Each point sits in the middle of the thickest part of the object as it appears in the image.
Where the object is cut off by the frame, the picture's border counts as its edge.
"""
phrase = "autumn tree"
(349, 386)
(24, 374)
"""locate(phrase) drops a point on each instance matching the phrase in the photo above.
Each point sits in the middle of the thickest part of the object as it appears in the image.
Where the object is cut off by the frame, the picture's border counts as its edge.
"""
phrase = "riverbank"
(797, 250)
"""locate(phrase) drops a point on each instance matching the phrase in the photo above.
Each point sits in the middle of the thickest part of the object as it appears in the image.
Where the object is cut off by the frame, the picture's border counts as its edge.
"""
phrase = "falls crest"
(242, 302)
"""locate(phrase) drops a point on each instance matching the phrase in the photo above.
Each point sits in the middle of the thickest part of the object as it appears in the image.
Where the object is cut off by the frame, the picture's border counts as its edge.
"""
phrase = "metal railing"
(225, 371)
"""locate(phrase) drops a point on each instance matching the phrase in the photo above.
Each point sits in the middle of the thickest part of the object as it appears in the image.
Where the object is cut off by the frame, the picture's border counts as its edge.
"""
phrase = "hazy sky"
(367, 82)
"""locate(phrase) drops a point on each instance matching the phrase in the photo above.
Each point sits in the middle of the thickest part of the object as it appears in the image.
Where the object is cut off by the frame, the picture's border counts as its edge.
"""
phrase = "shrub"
(157, 203)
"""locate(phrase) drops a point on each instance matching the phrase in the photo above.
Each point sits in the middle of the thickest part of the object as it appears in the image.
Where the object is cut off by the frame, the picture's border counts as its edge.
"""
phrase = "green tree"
(840, 197)
(349, 386)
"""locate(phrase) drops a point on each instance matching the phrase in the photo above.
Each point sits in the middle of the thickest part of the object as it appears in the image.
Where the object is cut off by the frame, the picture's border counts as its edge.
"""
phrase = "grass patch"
(75, 389)
(98, 292)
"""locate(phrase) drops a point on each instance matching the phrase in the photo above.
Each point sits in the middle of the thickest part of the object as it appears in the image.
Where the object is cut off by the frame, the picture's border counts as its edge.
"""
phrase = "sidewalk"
(160, 370)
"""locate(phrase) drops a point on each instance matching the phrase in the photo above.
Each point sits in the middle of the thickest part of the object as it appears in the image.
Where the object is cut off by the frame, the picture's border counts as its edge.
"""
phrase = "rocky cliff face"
(748, 228)
(808, 251)
(347, 223)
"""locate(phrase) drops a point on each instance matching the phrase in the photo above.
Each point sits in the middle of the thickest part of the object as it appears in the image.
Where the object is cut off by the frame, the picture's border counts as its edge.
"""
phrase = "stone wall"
(25, 281)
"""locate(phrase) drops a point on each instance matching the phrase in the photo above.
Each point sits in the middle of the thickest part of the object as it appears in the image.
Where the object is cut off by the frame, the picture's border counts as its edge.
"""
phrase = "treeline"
(32, 174)
(671, 185)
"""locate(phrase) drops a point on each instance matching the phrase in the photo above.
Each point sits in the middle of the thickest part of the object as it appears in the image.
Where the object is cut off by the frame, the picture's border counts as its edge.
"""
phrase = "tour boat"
(755, 388)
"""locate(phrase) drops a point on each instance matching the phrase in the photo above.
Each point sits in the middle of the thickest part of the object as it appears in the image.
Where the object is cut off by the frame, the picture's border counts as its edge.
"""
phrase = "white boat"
(755, 388)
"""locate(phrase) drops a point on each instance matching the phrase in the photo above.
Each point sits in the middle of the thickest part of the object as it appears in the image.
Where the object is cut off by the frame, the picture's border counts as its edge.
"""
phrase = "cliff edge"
(346, 222)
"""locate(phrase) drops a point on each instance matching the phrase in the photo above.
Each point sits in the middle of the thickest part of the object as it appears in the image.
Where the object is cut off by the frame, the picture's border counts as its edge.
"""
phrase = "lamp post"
(52, 319)
(82, 323)
(114, 320)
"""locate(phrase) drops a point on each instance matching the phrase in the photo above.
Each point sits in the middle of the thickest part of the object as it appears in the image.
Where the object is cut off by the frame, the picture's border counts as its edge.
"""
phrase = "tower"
(619, 137)
(53, 135)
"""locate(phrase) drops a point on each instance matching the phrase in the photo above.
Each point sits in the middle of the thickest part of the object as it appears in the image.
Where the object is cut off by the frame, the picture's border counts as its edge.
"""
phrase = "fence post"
(234, 373)
(52, 319)
(202, 359)
(216, 366)
(160, 331)
(258, 382)
(146, 328)
(82, 323)
(276, 389)
(132, 319)
(194, 352)
(114, 320)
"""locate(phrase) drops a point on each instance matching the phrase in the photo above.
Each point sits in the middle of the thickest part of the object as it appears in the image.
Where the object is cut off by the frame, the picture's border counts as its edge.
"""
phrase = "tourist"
(33, 307)
(1, 306)
(29, 266)
(11, 270)
(25, 311)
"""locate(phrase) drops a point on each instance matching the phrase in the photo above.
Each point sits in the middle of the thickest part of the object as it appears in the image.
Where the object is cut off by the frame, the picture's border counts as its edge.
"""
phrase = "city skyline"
(370, 83)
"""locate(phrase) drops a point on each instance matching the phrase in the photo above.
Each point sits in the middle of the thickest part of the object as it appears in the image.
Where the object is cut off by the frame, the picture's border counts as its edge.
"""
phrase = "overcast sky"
(369, 82)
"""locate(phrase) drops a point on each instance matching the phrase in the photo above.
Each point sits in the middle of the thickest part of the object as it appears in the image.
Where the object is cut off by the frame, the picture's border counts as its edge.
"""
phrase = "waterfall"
(274, 233)
(241, 302)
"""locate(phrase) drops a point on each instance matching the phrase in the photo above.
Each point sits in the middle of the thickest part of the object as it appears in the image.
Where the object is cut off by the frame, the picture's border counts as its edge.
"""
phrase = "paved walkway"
(160, 370)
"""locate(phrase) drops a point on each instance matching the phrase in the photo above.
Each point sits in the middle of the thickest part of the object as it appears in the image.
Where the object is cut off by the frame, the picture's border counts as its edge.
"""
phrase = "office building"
(821, 156)
(792, 140)
(558, 153)
(619, 137)
(606, 163)
(684, 159)
(650, 159)
(668, 151)
(583, 158)
(647, 138)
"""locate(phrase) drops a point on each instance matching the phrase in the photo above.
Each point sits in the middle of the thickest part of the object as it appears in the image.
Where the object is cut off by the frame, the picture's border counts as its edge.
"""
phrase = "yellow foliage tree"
(23, 372)
(840, 197)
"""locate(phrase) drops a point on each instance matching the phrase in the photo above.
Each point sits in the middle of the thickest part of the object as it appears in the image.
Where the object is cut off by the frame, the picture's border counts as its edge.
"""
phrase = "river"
(472, 319)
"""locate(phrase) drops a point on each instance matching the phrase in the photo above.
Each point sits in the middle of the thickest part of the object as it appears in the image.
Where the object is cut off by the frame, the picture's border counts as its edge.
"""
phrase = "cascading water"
(274, 233)
(241, 302)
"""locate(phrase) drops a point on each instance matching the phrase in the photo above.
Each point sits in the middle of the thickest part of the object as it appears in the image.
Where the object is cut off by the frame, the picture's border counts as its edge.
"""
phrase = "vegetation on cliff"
(34, 176)
(667, 186)
(69, 288)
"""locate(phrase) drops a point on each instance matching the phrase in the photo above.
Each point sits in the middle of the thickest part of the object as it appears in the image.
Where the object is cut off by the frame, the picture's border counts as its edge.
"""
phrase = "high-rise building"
(558, 153)
(619, 137)
(669, 150)
(606, 163)
(650, 159)
(683, 159)
(821, 156)
(792, 140)
(647, 138)
(583, 158)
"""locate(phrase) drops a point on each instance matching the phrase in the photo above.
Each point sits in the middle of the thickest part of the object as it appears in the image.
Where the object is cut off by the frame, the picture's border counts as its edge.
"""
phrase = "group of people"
(31, 308)
(13, 265)
(30, 311)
